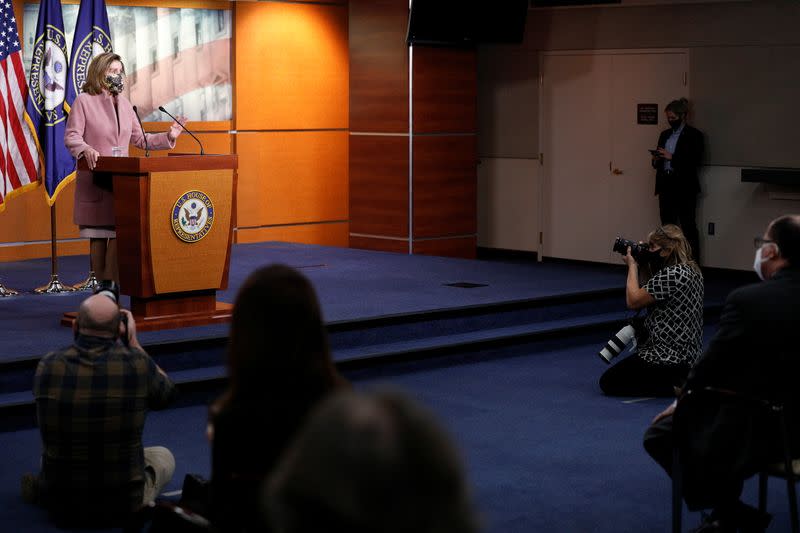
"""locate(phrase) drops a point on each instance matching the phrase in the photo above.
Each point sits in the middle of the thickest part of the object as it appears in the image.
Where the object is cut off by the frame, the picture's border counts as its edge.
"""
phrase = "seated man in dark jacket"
(753, 350)
(91, 401)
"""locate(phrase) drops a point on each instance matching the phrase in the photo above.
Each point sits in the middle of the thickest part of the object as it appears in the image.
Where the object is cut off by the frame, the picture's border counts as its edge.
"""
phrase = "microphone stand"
(161, 108)
(146, 147)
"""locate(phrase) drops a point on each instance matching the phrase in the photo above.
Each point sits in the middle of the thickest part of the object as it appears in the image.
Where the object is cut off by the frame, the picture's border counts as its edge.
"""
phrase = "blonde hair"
(96, 75)
(672, 240)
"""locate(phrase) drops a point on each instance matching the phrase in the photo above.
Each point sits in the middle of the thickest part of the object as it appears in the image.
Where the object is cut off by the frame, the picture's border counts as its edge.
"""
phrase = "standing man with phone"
(677, 159)
(91, 401)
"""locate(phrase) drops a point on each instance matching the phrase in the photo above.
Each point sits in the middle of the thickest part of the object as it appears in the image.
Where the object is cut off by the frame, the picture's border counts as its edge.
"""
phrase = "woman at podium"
(103, 122)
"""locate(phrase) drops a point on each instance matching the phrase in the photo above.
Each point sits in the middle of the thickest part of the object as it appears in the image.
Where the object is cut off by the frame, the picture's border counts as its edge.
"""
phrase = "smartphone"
(654, 152)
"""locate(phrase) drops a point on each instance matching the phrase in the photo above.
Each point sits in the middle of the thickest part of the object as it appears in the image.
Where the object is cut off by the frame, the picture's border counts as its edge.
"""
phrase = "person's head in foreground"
(779, 247)
(278, 344)
(365, 463)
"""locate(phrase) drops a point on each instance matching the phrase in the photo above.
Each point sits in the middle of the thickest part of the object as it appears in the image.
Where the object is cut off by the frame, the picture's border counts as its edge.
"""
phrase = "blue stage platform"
(377, 306)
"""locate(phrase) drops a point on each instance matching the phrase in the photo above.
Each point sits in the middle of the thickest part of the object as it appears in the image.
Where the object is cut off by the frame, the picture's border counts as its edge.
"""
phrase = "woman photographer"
(669, 339)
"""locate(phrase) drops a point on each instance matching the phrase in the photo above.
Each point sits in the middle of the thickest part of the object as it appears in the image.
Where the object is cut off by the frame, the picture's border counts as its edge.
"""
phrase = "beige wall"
(762, 33)
(508, 204)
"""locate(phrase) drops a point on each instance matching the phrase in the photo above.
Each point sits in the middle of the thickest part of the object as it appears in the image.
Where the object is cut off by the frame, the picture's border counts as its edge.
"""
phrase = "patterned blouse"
(675, 322)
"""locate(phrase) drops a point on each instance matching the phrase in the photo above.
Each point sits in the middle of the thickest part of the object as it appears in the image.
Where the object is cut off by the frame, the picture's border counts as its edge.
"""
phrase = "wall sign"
(647, 114)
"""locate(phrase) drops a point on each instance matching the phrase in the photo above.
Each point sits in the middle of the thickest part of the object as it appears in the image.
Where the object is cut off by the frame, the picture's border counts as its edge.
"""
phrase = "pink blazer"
(93, 122)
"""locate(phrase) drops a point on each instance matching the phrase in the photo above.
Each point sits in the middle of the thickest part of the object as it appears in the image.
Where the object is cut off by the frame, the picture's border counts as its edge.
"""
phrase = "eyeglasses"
(761, 241)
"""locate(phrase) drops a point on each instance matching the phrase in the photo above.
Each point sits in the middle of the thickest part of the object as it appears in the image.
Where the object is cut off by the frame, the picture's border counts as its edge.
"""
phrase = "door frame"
(544, 176)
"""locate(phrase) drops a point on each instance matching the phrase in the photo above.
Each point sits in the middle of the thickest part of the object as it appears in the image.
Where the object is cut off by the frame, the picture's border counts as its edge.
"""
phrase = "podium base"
(221, 315)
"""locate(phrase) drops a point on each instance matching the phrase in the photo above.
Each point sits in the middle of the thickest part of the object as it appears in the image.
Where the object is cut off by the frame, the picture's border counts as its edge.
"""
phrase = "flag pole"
(55, 286)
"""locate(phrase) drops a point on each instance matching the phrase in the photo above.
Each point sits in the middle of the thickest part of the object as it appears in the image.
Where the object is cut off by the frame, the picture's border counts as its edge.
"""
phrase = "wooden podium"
(174, 222)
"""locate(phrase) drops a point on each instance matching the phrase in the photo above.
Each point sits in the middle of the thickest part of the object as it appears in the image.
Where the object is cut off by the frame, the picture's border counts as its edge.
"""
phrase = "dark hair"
(370, 463)
(785, 231)
(680, 107)
(278, 349)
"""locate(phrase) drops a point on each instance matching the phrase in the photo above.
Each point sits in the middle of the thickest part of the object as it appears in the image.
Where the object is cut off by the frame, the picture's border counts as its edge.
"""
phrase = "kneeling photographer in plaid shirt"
(91, 402)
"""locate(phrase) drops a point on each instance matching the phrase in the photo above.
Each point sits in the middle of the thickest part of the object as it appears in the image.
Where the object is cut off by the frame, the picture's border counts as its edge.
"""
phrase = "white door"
(598, 182)
(576, 143)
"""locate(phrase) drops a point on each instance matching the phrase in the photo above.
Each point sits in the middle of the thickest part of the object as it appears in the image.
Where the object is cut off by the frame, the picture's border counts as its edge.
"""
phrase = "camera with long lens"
(638, 250)
(617, 343)
(110, 289)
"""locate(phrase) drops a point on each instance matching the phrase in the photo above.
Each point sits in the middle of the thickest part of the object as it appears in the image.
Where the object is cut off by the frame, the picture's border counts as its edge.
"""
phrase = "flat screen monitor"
(466, 22)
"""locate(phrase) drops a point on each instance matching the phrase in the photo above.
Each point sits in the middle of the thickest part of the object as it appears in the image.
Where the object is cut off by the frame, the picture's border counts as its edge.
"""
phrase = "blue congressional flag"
(92, 37)
(46, 106)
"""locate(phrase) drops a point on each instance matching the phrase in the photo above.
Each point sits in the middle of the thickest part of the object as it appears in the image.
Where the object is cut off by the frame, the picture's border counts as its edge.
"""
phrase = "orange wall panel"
(36, 251)
(27, 216)
(291, 64)
(292, 177)
(324, 234)
(213, 143)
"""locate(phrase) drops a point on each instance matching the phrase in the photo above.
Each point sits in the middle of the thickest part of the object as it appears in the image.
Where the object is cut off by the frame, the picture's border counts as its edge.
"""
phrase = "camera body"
(110, 289)
(638, 250)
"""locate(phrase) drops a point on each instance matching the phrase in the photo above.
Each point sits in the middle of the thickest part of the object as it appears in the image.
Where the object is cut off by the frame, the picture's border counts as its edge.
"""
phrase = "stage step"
(176, 358)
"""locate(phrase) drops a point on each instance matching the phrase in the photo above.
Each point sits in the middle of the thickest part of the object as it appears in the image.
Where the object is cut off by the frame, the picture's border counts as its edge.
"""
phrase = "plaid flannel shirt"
(91, 401)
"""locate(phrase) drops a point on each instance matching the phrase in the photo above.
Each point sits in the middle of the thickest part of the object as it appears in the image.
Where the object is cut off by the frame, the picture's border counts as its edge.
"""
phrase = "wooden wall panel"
(335, 234)
(37, 251)
(213, 143)
(464, 247)
(291, 65)
(380, 245)
(292, 177)
(378, 66)
(379, 185)
(445, 90)
(445, 186)
(27, 216)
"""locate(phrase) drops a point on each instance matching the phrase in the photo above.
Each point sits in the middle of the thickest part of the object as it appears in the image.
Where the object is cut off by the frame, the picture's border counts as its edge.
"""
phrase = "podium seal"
(192, 216)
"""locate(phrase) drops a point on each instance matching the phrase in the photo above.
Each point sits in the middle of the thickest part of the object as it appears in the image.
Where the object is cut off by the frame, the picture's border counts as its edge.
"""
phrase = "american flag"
(19, 155)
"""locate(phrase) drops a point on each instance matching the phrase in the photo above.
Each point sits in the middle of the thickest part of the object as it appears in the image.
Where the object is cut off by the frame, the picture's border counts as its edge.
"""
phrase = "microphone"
(146, 147)
(161, 108)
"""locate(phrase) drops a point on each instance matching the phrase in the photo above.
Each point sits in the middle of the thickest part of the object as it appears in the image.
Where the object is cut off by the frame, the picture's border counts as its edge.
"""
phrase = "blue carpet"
(352, 285)
(545, 451)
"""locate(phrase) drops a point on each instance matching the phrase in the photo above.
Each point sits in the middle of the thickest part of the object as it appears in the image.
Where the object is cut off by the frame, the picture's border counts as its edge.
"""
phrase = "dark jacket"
(685, 161)
(759, 323)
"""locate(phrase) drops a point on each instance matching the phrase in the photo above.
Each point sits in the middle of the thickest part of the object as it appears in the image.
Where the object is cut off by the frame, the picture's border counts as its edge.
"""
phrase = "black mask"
(653, 259)
(115, 83)
(675, 124)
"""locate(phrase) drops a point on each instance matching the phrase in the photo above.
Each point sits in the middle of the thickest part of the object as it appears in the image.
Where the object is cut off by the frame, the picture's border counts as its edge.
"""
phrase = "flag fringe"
(16, 192)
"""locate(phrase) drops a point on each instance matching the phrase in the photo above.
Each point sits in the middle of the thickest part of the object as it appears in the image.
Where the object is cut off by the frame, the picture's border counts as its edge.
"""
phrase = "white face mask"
(757, 264)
